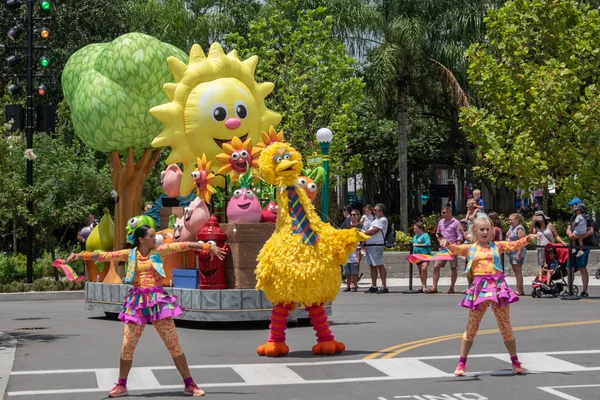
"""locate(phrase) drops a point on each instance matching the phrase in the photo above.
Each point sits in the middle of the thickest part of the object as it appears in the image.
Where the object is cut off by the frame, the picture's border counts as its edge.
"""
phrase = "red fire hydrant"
(212, 272)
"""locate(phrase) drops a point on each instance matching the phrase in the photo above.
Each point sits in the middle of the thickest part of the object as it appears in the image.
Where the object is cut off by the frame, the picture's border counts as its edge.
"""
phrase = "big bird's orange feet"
(273, 349)
(329, 347)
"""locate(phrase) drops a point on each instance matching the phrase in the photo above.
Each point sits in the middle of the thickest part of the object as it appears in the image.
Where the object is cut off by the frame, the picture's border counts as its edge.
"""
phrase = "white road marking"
(552, 390)
(280, 373)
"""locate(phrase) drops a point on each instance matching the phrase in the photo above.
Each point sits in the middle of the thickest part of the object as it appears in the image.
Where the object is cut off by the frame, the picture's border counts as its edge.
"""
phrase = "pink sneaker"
(194, 390)
(118, 391)
(460, 369)
(517, 368)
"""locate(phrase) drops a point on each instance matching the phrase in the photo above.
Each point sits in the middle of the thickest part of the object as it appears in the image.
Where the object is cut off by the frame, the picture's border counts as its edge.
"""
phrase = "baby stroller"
(557, 284)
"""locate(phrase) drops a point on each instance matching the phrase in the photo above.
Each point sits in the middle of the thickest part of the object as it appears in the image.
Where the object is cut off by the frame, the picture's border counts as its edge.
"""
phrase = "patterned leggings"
(164, 327)
(502, 316)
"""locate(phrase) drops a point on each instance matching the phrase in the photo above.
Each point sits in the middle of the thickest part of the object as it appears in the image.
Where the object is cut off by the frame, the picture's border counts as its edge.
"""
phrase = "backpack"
(390, 234)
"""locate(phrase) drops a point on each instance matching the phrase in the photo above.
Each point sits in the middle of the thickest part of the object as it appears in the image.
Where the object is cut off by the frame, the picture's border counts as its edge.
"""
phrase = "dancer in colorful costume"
(148, 301)
(488, 288)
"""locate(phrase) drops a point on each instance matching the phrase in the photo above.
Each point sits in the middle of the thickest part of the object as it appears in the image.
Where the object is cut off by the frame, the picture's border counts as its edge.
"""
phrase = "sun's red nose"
(233, 123)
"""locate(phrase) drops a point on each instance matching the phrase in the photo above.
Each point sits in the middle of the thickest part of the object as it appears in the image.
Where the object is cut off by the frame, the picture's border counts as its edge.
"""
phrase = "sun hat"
(539, 215)
(576, 200)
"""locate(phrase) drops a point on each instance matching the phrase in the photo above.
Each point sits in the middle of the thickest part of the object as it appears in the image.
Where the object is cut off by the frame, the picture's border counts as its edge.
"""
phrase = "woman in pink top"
(488, 288)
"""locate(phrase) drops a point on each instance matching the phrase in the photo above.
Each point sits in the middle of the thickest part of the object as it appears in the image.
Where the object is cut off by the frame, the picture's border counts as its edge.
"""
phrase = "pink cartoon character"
(170, 179)
(244, 205)
(194, 218)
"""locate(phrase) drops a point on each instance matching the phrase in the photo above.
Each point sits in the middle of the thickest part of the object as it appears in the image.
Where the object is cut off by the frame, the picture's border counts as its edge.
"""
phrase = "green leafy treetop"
(110, 88)
(536, 74)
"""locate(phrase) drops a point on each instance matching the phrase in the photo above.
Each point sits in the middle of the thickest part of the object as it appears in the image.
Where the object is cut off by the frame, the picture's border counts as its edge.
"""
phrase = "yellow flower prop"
(237, 157)
(214, 98)
(271, 137)
(289, 270)
(204, 179)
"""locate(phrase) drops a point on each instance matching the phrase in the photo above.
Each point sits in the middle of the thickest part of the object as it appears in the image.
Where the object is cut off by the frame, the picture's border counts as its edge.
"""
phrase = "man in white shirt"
(374, 254)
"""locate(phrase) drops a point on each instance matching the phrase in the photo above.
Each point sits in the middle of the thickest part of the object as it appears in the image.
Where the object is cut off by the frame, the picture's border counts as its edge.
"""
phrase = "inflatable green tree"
(109, 88)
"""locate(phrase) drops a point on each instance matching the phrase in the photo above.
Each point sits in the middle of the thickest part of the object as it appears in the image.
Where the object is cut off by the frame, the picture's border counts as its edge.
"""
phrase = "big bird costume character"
(301, 261)
(214, 99)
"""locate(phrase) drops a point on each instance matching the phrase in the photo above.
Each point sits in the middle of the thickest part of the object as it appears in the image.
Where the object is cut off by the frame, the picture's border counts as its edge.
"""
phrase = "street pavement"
(399, 346)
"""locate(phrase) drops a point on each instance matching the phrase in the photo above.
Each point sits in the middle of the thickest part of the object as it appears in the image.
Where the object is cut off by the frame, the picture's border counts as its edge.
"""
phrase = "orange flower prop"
(271, 137)
(204, 178)
(238, 156)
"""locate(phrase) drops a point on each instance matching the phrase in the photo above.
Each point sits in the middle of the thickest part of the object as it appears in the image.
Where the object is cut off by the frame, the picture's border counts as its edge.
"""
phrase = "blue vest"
(495, 252)
(154, 259)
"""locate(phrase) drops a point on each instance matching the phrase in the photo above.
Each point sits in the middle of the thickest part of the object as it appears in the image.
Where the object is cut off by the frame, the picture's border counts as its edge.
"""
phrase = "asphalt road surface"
(399, 346)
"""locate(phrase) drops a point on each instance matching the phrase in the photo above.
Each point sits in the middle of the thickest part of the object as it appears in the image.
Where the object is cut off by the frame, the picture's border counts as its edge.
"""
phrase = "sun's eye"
(302, 182)
(244, 154)
(249, 194)
(133, 222)
(196, 174)
(235, 156)
(286, 156)
(278, 159)
(240, 109)
(312, 187)
(219, 112)
(237, 194)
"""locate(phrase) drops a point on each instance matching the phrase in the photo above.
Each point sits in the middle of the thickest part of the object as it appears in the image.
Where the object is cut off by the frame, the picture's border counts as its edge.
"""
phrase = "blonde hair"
(480, 222)
(476, 191)
(518, 216)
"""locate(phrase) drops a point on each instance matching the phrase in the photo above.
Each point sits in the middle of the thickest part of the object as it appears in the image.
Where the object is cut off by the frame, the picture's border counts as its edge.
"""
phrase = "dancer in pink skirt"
(488, 288)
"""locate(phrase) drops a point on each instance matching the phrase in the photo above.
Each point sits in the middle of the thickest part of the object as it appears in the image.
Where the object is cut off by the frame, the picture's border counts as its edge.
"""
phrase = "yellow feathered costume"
(301, 261)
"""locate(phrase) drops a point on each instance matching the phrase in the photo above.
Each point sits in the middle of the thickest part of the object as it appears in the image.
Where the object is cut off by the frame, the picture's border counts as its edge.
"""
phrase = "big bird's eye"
(133, 222)
(219, 112)
(240, 109)
(278, 159)
(286, 156)
(244, 154)
(312, 187)
(302, 182)
(235, 156)
(196, 174)
(237, 194)
(249, 194)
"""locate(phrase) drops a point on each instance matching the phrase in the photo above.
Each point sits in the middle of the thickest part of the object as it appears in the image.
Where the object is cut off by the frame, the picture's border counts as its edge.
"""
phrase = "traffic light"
(13, 4)
(14, 32)
(42, 89)
(16, 114)
(45, 5)
(13, 89)
(13, 60)
(44, 33)
(44, 62)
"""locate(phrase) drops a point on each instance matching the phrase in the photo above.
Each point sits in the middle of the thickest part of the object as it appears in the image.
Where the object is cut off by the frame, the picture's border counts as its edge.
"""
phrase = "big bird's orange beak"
(286, 167)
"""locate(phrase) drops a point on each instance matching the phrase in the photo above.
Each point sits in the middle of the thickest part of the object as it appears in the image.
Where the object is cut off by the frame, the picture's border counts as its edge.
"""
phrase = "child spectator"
(422, 245)
(478, 199)
(579, 228)
(550, 266)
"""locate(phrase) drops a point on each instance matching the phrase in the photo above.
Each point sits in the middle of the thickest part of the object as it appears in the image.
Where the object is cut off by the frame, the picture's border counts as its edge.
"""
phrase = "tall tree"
(536, 73)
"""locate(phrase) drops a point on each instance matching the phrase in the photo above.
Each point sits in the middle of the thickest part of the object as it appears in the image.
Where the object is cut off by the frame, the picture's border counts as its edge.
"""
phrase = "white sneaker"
(580, 253)
(574, 251)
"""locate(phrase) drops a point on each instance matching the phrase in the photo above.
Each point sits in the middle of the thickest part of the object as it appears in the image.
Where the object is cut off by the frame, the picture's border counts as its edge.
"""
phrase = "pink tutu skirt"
(489, 288)
(149, 304)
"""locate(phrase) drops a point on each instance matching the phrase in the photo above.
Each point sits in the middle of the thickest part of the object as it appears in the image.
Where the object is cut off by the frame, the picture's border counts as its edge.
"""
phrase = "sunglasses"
(354, 214)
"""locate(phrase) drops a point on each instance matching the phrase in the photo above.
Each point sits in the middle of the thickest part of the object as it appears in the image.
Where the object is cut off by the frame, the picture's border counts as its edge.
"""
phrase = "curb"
(35, 296)
(8, 346)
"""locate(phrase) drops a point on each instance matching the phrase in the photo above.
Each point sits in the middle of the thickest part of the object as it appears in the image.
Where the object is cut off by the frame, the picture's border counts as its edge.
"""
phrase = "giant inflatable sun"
(213, 99)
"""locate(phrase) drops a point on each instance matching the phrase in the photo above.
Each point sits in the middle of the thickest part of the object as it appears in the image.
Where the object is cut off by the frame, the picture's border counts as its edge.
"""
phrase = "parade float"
(136, 95)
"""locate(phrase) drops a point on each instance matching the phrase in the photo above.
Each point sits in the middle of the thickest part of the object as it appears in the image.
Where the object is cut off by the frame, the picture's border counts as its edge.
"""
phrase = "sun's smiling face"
(217, 111)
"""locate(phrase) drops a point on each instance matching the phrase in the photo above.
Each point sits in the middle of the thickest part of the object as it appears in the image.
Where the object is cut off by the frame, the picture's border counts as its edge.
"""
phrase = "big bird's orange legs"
(275, 345)
(326, 344)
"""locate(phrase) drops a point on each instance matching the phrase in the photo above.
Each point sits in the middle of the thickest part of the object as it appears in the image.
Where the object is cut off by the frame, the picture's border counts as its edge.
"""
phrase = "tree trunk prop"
(128, 180)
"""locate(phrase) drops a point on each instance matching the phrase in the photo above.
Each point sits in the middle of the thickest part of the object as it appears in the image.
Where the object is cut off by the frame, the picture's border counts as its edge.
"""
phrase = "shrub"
(46, 285)
(13, 268)
(401, 237)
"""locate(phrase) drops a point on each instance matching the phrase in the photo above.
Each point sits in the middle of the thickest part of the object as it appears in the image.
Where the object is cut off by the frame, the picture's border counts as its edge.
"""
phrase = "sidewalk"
(462, 281)
(8, 345)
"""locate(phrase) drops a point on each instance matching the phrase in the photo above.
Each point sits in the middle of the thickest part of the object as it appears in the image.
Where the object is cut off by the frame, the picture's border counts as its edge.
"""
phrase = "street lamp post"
(324, 137)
